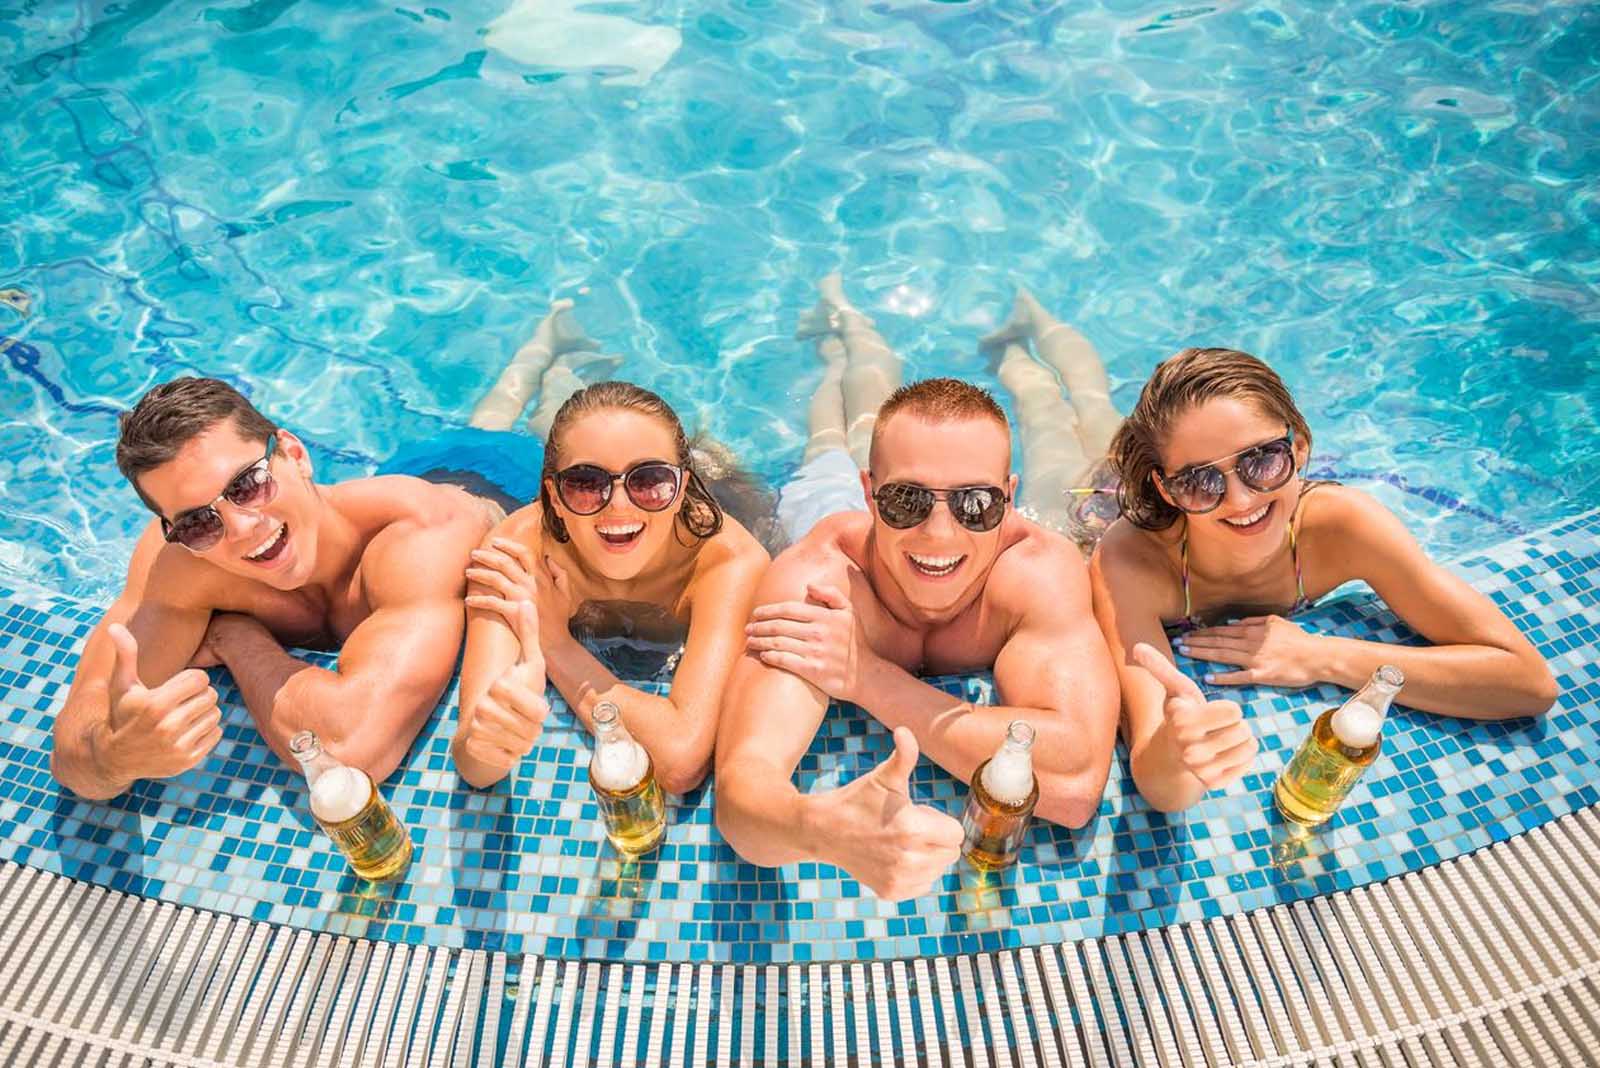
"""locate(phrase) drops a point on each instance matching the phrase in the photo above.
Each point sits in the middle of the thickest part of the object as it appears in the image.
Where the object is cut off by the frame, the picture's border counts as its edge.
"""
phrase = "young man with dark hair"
(246, 556)
(938, 575)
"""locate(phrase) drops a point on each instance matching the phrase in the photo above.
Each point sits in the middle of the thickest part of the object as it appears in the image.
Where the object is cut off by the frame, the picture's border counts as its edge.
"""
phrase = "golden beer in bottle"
(1004, 791)
(624, 782)
(1343, 743)
(347, 805)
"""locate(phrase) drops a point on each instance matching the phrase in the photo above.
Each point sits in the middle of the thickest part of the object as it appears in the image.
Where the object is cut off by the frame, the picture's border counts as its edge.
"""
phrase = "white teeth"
(1253, 517)
(936, 564)
(624, 531)
(272, 539)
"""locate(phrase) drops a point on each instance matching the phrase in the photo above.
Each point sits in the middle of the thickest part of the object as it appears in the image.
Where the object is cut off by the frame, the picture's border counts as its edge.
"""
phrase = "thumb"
(828, 597)
(1176, 683)
(125, 670)
(527, 628)
(894, 774)
(557, 575)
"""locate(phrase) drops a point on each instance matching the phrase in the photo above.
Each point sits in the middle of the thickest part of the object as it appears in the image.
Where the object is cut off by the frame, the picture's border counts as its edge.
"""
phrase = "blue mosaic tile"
(523, 867)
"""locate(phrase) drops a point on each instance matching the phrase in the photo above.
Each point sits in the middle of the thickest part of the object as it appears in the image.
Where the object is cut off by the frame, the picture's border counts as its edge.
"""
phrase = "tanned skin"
(373, 565)
(846, 613)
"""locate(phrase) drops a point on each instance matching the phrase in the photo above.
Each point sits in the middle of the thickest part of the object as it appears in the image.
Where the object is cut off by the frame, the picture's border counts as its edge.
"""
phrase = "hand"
(818, 639)
(509, 569)
(894, 848)
(508, 718)
(1269, 650)
(161, 732)
(1211, 738)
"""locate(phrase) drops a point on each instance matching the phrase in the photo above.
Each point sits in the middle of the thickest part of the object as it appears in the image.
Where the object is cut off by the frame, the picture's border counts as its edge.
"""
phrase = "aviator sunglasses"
(586, 488)
(252, 489)
(903, 505)
(1263, 468)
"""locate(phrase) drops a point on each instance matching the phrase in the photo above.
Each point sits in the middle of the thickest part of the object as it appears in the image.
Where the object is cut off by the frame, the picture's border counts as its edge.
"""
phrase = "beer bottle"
(1343, 743)
(348, 806)
(1004, 791)
(624, 782)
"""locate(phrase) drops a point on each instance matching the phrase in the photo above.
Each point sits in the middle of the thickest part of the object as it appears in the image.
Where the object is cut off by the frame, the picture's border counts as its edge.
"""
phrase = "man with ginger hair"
(938, 575)
(246, 555)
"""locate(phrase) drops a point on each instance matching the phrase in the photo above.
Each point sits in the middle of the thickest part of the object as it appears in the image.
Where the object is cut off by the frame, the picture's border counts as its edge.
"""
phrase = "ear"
(295, 449)
(866, 491)
(1302, 454)
(1162, 490)
(1011, 487)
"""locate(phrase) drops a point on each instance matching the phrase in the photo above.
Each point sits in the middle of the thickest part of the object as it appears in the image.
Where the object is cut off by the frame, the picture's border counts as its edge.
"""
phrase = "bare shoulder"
(1039, 571)
(1354, 528)
(420, 538)
(828, 553)
(524, 526)
(731, 549)
(1128, 554)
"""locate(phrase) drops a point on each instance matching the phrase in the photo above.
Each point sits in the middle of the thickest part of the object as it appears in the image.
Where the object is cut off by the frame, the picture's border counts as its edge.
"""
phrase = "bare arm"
(1179, 744)
(392, 669)
(868, 827)
(112, 731)
(1478, 667)
(677, 730)
(1053, 671)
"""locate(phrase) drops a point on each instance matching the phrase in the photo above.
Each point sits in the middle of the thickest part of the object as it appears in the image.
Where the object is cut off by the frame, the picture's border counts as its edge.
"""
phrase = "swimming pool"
(357, 214)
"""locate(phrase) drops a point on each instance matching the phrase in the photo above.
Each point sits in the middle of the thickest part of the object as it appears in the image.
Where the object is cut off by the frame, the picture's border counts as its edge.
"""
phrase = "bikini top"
(1190, 621)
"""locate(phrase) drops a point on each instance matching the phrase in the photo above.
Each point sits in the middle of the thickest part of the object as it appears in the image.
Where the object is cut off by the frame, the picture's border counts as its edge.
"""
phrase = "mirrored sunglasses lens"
(584, 490)
(199, 530)
(652, 486)
(903, 506)
(252, 489)
(1199, 490)
(1267, 467)
(978, 508)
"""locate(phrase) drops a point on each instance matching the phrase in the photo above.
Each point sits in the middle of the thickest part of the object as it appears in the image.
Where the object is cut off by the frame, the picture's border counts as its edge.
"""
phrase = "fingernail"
(1211, 679)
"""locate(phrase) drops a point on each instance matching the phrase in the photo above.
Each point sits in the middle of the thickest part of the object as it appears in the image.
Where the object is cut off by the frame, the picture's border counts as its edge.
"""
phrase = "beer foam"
(1009, 777)
(340, 793)
(619, 765)
(1357, 725)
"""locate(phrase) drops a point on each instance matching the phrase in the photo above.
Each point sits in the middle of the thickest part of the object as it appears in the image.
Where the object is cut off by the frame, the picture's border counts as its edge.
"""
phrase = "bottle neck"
(315, 761)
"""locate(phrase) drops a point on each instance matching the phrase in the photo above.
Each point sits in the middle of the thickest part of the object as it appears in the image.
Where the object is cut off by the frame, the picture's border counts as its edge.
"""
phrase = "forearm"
(286, 695)
(679, 747)
(761, 814)
(78, 757)
(959, 735)
(1468, 681)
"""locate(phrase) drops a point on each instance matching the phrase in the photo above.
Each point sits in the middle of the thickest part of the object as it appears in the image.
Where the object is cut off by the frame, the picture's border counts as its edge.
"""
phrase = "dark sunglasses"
(199, 529)
(586, 488)
(903, 505)
(1263, 468)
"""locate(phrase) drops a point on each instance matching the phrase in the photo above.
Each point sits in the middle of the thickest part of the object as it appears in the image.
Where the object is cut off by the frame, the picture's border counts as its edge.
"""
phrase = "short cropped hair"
(1178, 383)
(940, 400)
(174, 413)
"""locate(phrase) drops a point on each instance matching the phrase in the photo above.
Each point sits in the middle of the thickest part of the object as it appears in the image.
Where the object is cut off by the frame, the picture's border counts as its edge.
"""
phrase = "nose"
(237, 524)
(941, 522)
(1238, 494)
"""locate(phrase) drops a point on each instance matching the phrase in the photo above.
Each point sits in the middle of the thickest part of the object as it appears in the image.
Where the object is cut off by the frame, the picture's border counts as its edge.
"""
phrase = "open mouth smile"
(271, 548)
(620, 537)
(935, 567)
(1253, 522)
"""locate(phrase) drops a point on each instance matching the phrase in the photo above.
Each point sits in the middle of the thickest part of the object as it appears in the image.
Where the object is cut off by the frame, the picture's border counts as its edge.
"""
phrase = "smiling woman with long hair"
(1221, 537)
(624, 538)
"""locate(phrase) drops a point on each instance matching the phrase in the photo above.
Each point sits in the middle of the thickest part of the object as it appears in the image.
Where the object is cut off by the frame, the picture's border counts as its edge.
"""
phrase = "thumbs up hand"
(508, 719)
(1211, 738)
(873, 830)
(156, 732)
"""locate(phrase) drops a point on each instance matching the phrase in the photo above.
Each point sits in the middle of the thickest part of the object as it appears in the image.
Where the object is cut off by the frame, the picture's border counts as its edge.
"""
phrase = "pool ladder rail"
(1487, 960)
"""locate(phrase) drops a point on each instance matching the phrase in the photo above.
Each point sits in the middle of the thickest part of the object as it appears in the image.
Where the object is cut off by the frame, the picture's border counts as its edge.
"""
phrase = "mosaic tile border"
(523, 867)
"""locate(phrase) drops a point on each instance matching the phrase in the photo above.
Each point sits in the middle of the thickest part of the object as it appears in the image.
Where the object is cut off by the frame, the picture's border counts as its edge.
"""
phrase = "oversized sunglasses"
(586, 488)
(252, 489)
(903, 505)
(1263, 468)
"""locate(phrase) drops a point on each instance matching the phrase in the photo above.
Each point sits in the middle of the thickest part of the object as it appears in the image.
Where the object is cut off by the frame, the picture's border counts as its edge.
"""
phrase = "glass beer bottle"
(348, 806)
(1004, 791)
(1343, 743)
(624, 782)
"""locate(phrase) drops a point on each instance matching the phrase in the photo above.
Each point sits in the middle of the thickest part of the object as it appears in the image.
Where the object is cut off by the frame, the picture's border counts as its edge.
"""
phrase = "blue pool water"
(357, 211)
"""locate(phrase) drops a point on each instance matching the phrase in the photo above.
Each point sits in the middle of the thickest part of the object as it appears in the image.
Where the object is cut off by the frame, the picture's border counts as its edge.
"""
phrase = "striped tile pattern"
(1486, 960)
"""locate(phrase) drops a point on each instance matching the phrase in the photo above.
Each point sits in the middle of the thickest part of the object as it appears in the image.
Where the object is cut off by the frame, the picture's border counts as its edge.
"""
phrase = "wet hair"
(174, 413)
(1178, 383)
(700, 515)
(941, 400)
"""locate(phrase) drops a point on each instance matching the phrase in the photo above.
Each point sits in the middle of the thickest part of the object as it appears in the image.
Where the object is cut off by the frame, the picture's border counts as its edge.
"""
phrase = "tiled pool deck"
(524, 867)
